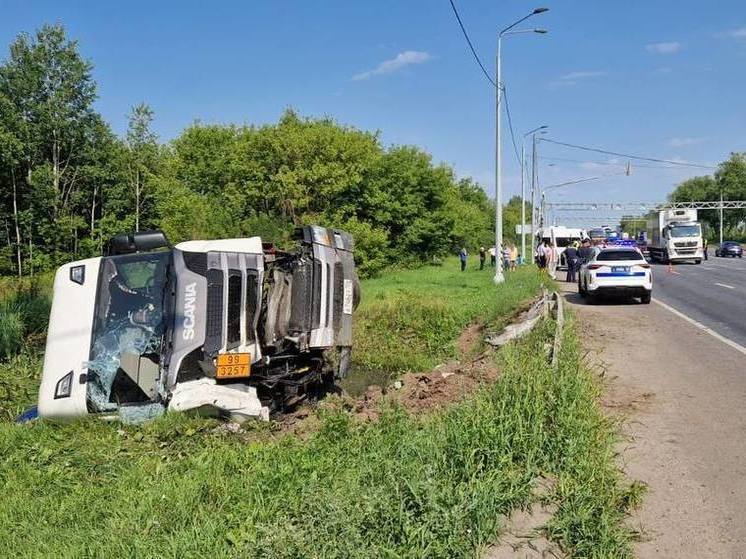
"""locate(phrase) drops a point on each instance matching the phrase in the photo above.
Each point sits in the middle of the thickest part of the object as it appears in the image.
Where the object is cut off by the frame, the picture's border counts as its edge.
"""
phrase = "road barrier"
(548, 305)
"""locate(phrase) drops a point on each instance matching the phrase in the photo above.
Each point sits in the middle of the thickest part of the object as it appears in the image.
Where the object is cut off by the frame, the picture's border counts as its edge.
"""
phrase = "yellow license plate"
(233, 365)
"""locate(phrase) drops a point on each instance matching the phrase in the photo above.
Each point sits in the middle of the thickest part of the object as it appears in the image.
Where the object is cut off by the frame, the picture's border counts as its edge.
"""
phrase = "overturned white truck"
(230, 327)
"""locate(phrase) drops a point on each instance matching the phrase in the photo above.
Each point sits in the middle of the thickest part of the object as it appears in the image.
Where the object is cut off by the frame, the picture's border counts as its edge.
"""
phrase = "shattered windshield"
(128, 329)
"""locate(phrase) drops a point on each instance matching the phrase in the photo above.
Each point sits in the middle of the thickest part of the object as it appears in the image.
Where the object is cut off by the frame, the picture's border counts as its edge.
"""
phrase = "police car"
(616, 270)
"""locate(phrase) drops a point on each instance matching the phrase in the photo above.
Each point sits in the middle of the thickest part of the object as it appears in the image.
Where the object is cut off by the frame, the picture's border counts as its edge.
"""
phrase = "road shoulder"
(680, 393)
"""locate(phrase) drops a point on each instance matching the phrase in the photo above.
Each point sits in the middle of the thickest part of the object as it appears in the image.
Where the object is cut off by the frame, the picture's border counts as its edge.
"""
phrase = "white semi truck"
(674, 235)
(231, 327)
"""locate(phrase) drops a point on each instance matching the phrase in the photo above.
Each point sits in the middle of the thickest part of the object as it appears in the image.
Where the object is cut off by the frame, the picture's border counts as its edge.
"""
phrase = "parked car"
(729, 248)
(616, 270)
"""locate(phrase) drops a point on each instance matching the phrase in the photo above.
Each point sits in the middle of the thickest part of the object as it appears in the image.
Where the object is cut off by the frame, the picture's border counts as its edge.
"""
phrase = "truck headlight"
(64, 386)
(77, 274)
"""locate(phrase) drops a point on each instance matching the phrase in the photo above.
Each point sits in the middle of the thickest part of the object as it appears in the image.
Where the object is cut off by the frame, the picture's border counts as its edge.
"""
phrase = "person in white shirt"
(552, 257)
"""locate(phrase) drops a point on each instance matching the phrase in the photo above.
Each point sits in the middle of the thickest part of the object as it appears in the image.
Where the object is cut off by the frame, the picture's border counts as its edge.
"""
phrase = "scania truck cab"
(232, 327)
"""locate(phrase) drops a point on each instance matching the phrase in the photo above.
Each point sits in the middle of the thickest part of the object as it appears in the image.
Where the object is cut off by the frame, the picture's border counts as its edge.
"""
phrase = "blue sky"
(664, 79)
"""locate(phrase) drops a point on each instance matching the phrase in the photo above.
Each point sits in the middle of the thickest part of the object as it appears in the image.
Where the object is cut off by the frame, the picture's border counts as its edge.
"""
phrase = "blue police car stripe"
(618, 274)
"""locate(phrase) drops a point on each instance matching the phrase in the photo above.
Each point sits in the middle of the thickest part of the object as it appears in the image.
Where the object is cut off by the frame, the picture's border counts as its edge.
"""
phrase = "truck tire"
(698, 261)
(645, 299)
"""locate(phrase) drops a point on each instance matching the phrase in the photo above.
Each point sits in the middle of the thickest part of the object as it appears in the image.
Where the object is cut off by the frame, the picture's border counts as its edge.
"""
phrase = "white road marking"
(724, 285)
(710, 331)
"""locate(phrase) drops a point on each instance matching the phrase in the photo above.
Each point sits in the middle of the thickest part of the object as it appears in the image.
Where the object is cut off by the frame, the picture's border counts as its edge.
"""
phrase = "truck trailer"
(231, 327)
(674, 235)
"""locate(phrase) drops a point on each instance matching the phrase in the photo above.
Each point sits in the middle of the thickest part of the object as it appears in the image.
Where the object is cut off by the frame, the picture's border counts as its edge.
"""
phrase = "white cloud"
(401, 60)
(739, 33)
(681, 142)
(573, 77)
(664, 48)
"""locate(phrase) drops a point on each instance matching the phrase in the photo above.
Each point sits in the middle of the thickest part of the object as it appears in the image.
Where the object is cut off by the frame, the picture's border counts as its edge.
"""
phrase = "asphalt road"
(712, 293)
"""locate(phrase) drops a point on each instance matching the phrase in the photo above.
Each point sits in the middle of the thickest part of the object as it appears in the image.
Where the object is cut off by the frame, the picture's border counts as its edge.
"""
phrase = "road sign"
(527, 227)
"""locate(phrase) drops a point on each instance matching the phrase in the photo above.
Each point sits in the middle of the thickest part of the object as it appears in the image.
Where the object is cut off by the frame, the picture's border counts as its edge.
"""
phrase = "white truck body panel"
(69, 341)
(251, 245)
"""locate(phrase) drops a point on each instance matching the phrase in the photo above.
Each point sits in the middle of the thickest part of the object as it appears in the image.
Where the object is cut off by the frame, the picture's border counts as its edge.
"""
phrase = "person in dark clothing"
(571, 257)
(462, 256)
(705, 246)
(482, 256)
(585, 253)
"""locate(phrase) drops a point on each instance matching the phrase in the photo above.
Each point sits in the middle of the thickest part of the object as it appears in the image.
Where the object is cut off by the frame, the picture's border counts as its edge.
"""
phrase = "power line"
(510, 126)
(473, 52)
(637, 166)
(628, 156)
(489, 79)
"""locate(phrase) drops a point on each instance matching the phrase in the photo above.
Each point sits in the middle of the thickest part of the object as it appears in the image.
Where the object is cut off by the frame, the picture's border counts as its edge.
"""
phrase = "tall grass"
(24, 313)
(431, 487)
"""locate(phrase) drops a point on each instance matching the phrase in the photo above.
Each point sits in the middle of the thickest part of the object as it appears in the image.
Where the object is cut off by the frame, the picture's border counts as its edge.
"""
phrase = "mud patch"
(470, 340)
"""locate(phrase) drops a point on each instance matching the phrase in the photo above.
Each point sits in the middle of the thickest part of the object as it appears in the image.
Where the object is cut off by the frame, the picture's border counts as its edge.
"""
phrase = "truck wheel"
(698, 261)
(645, 299)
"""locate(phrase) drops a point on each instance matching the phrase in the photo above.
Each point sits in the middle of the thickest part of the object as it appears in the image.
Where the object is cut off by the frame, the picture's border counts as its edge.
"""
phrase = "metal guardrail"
(546, 306)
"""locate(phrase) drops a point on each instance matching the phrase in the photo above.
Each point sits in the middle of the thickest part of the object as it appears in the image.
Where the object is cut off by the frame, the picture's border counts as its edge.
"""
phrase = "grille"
(233, 334)
(251, 303)
(214, 327)
(686, 244)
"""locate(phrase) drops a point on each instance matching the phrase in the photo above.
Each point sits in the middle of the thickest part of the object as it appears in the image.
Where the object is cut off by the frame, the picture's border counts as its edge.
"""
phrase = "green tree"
(141, 145)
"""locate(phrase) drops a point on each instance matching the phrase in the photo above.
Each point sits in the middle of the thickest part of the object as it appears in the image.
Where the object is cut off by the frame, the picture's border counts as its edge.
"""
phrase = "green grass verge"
(410, 320)
(402, 487)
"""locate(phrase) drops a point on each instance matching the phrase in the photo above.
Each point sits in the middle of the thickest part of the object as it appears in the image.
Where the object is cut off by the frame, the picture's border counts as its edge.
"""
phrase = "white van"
(561, 237)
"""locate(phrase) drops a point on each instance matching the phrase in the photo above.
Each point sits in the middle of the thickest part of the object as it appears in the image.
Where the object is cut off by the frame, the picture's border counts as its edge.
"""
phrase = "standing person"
(552, 260)
(513, 257)
(541, 256)
(585, 253)
(506, 258)
(705, 246)
(482, 256)
(492, 256)
(462, 256)
(571, 257)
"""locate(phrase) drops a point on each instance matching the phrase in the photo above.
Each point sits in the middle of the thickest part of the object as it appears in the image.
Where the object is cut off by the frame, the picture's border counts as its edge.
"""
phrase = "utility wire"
(628, 156)
(637, 166)
(473, 52)
(489, 79)
(510, 126)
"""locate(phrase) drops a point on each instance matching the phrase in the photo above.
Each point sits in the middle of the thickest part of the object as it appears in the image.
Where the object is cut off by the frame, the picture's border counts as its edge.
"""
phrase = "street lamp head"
(542, 31)
(539, 11)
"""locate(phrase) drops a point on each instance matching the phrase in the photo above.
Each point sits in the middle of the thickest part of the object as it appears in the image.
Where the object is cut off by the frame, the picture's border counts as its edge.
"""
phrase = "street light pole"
(523, 189)
(499, 277)
(721, 215)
